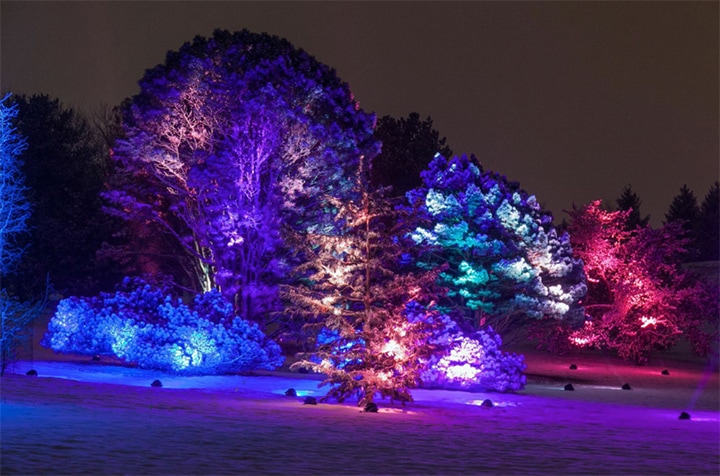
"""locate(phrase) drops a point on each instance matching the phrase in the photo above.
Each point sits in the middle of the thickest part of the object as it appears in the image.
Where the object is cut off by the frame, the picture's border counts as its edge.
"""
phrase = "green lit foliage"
(506, 264)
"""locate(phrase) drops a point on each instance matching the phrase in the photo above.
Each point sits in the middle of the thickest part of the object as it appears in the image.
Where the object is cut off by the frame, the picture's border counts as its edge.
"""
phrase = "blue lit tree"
(234, 139)
(506, 265)
(15, 315)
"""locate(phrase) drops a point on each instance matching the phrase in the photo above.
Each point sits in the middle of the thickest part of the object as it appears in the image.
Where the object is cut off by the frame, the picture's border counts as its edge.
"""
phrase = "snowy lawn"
(93, 418)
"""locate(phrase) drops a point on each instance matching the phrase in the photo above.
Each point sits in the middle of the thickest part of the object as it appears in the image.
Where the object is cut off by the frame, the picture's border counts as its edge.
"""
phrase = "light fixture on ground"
(684, 416)
(569, 387)
(156, 383)
(370, 407)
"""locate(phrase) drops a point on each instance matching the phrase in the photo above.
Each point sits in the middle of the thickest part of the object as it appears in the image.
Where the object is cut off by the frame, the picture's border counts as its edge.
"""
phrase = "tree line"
(244, 167)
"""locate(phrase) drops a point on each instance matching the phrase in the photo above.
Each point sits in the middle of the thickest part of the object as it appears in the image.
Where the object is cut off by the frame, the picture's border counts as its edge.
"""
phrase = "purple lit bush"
(471, 362)
(146, 325)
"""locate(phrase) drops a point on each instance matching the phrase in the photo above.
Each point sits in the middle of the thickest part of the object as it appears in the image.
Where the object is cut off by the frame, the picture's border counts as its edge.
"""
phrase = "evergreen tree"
(684, 210)
(629, 201)
(506, 265)
(709, 225)
(66, 167)
(408, 146)
(360, 301)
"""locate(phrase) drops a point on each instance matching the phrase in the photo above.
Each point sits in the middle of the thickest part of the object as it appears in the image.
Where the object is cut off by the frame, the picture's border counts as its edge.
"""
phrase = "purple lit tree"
(233, 140)
(506, 265)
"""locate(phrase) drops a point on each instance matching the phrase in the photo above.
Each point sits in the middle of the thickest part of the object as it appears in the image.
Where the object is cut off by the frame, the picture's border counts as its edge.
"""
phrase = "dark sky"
(575, 100)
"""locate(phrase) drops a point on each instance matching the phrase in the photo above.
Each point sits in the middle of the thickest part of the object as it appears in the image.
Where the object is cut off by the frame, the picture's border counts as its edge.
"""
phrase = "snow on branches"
(506, 263)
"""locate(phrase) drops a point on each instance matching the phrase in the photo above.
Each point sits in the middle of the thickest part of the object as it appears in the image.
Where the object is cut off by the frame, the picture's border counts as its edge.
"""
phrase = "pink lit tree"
(640, 299)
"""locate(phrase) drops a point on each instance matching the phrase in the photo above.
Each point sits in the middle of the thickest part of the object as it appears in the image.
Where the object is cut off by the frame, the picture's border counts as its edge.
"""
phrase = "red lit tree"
(639, 298)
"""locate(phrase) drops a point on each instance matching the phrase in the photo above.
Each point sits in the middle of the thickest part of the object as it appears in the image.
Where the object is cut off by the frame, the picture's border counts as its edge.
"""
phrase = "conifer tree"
(360, 302)
(684, 210)
(709, 225)
(629, 201)
(506, 265)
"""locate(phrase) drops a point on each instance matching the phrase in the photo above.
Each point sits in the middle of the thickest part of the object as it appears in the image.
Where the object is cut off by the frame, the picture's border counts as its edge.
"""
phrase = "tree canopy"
(234, 140)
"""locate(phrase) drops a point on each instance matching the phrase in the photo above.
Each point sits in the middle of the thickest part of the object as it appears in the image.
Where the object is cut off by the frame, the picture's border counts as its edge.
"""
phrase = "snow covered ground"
(85, 417)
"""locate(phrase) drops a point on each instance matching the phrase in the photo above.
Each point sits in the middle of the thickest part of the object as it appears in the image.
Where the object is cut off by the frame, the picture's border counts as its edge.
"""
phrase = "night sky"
(574, 100)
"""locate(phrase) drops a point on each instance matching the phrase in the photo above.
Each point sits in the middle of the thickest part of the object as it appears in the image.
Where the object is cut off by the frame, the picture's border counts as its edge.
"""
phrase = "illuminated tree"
(640, 299)
(15, 315)
(230, 138)
(506, 264)
(362, 305)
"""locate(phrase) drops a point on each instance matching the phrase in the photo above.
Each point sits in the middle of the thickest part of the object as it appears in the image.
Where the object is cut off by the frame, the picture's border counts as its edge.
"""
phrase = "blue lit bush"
(470, 362)
(147, 326)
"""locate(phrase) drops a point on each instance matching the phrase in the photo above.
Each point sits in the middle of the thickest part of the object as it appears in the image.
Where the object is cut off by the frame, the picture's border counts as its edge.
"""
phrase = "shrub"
(145, 325)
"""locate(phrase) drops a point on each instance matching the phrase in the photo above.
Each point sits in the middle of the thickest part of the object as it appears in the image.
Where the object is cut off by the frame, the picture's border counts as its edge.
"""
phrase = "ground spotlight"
(487, 403)
(156, 383)
(370, 407)
(290, 392)
(310, 401)
(626, 386)
(684, 416)
(573, 367)
(31, 373)
(569, 387)
(665, 372)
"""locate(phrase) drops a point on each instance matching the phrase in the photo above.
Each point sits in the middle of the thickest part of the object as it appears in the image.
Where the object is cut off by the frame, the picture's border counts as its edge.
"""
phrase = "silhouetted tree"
(65, 166)
(408, 146)
(709, 225)
(630, 201)
(684, 210)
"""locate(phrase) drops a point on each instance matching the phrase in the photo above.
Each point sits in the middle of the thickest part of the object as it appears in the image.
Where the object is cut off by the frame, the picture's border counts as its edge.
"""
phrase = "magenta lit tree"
(640, 299)
(506, 264)
(232, 137)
